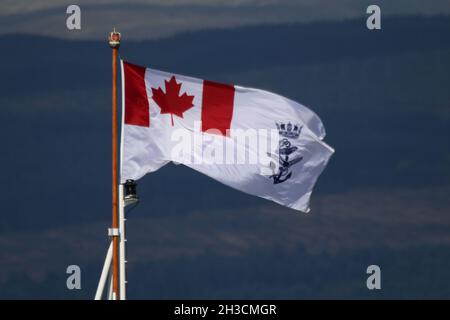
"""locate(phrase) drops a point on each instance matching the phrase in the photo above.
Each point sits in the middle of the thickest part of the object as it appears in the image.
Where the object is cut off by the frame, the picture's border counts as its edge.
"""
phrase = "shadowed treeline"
(259, 252)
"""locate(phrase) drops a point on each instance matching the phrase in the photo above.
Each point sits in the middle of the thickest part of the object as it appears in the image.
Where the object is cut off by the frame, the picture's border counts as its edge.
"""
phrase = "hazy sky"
(140, 19)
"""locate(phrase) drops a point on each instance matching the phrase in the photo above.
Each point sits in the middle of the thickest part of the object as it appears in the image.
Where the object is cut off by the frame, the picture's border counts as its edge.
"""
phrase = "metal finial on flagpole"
(114, 39)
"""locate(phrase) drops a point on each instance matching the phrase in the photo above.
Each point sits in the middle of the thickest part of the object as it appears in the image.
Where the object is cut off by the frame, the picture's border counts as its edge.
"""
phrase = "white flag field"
(252, 140)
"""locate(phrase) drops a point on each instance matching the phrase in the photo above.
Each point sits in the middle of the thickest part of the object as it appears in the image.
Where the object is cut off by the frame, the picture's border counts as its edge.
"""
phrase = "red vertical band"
(136, 102)
(217, 106)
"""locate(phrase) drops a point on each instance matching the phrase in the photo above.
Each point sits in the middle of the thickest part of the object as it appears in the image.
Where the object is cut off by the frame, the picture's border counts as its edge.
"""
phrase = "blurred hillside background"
(383, 199)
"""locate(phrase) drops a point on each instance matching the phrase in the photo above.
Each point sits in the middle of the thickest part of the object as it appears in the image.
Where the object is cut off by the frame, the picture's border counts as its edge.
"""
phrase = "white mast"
(127, 195)
(122, 241)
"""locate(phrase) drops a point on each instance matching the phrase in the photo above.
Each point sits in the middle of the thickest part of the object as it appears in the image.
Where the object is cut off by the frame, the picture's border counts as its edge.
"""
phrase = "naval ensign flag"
(249, 139)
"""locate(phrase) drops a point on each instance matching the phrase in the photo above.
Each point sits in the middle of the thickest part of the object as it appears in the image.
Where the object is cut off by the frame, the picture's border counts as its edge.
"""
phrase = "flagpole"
(114, 43)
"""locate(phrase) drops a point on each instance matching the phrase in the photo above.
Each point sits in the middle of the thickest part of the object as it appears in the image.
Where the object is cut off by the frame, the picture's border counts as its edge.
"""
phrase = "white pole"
(104, 275)
(122, 261)
(111, 294)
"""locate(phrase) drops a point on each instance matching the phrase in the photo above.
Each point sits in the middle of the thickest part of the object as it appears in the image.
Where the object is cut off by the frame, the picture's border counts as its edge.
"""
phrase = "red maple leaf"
(171, 101)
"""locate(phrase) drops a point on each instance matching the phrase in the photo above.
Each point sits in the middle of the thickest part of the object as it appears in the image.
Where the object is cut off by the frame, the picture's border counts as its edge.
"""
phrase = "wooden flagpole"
(114, 43)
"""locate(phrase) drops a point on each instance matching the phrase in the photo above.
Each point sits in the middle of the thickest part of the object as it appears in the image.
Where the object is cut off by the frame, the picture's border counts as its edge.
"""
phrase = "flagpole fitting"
(113, 232)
